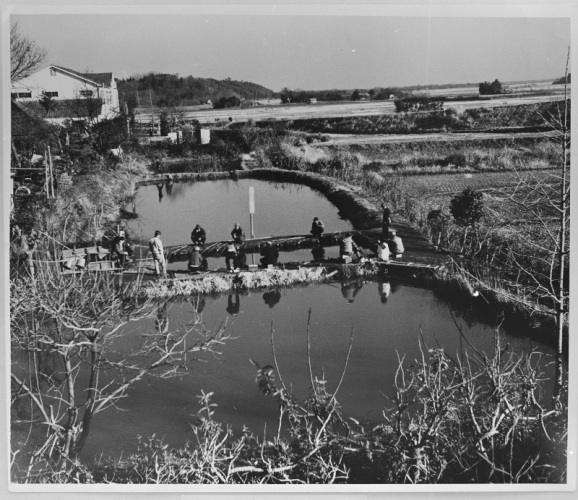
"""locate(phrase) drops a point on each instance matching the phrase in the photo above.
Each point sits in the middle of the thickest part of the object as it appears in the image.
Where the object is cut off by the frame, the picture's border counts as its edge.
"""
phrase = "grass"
(242, 281)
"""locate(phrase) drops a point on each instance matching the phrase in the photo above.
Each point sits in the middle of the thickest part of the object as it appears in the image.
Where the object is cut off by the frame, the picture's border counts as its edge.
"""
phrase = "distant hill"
(172, 90)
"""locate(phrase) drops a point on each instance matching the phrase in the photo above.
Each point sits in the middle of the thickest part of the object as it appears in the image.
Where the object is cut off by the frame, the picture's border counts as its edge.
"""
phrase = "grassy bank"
(245, 281)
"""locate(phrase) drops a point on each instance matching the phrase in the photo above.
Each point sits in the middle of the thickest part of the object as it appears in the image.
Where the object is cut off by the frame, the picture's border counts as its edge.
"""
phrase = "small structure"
(313, 100)
(204, 136)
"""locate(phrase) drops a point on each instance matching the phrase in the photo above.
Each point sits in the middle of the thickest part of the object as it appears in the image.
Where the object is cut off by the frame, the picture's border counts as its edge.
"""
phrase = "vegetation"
(451, 119)
(493, 88)
(562, 80)
(466, 419)
(25, 55)
(167, 90)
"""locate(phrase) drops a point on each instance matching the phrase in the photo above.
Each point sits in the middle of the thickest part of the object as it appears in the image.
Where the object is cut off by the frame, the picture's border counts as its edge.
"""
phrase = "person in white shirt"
(382, 251)
(158, 253)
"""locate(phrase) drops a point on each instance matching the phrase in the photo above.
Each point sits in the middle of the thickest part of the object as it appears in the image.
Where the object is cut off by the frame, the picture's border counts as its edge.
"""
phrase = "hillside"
(172, 90)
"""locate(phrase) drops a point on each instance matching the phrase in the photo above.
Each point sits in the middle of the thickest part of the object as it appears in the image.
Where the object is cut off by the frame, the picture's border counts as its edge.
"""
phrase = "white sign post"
(251, 213)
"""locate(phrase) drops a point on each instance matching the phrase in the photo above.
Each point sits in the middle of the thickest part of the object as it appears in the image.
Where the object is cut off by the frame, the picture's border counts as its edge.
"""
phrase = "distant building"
(313, 100)
(363, 96)
(72, 95)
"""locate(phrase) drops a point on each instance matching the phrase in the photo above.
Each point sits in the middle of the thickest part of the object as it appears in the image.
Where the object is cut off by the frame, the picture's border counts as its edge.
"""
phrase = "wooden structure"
(177, 253)
(94, 258)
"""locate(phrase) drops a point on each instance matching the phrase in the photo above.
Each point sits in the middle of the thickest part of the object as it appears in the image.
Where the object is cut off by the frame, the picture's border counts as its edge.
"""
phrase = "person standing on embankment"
(158, 253)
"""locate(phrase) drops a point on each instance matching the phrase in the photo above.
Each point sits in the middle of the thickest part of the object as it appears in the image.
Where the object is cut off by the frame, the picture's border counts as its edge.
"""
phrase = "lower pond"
(280, 209)
(386, 320)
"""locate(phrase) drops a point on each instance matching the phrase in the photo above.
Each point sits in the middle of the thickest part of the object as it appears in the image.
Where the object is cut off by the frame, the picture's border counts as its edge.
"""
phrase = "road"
(330, 110)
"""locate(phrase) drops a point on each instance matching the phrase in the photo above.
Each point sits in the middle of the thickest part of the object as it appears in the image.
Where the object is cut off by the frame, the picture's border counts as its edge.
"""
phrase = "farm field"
(450, 184)
(329, 110)
(350, 139)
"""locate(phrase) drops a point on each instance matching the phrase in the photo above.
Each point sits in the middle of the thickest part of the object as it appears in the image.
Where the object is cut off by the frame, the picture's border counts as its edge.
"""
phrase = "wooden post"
(46, 177)
(51, 170)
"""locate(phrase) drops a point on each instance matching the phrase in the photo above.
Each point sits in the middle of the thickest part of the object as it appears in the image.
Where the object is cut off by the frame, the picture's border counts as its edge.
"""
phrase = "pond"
(384, 330)
(280, 209)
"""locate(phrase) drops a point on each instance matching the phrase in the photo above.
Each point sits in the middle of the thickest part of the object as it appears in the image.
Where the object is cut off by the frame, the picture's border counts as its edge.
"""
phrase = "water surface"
(383, 332)
(280, 209)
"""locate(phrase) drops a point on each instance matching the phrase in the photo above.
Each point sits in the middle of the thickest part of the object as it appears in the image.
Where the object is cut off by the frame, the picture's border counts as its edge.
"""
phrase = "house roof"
(102, 79)
(64, 108)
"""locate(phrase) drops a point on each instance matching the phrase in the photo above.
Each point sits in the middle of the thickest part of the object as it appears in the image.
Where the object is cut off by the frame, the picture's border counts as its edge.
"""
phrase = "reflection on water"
(280, 209)
(387, 321)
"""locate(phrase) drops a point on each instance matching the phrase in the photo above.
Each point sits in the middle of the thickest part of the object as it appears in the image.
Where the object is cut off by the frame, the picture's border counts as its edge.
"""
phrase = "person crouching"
(197, 262)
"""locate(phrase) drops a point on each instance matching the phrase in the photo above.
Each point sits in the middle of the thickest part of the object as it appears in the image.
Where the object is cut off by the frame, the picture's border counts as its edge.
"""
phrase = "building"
(57, 94)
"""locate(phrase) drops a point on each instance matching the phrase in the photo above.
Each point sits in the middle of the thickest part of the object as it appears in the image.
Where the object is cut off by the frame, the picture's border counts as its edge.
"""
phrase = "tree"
(355, 95)
(493, 88)
(467, 208)
(65, 369)
(25, 56)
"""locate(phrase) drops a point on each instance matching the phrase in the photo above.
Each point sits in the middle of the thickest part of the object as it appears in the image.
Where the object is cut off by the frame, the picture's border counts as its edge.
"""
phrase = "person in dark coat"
(270, 254)
(385, 222)
(237, 234)
(121, 250)
(241, 260)
(317, 227)
(199, 236)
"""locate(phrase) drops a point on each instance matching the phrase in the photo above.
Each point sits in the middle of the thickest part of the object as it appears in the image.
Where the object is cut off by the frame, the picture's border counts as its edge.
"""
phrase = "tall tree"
(25, 56)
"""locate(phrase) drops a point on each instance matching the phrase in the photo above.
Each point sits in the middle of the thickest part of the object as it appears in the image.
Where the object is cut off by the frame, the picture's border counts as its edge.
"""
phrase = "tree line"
(173, 90)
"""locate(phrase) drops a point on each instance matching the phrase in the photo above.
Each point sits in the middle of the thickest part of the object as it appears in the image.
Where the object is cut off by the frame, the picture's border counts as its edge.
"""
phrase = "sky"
(305, 51)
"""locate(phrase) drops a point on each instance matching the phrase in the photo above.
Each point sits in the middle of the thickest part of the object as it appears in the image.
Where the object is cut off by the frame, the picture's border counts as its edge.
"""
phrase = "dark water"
(280, 209)
(382, 332)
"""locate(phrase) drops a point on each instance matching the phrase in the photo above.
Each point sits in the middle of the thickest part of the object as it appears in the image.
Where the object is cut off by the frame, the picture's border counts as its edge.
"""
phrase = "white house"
(65, 86)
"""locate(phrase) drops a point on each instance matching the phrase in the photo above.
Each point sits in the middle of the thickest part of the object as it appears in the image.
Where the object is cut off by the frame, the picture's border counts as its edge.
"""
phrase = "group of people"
(389, 244)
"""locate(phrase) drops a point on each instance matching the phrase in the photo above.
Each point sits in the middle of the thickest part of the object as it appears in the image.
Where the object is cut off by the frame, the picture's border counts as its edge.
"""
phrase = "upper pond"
(280, 209)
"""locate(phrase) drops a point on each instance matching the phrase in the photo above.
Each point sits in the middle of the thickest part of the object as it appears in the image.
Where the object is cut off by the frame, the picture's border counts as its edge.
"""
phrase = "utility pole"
(152, 109)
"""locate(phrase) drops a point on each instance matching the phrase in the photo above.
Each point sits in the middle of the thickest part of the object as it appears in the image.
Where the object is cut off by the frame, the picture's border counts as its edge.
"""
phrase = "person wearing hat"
(121, 250)
(237, 234)
(317, 227)
(197, 262)
(158, 253)
(396, 245)
(199, 236)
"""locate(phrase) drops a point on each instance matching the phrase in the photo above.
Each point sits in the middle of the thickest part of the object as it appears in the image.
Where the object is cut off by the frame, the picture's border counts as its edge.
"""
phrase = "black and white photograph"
(269, 248)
